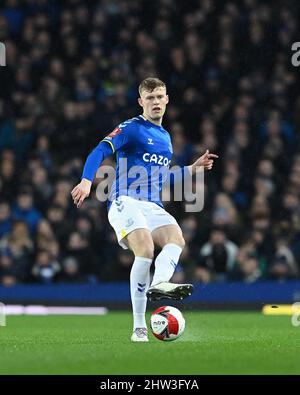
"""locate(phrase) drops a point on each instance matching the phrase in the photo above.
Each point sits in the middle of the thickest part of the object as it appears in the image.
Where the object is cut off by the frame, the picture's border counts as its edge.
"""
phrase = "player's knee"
(144, 248)
(182, 242)
(147, 251)
(141, 244)
(179, 240)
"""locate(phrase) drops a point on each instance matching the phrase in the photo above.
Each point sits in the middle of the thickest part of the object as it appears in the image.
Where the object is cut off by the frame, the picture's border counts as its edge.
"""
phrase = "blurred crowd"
(73, 69)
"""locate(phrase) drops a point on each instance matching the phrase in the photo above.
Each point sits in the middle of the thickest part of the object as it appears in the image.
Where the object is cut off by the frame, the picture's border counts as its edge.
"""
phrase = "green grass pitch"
(213, 343)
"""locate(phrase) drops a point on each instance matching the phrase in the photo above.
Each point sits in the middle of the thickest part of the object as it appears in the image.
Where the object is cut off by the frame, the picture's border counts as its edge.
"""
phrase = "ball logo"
(159, 323)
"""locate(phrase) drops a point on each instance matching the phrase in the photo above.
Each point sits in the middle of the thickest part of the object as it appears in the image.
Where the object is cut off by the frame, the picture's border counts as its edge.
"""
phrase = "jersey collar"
(151, 123)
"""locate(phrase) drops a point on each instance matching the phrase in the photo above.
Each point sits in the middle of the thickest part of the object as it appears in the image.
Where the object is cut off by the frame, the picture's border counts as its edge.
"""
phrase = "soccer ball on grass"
(167, 323)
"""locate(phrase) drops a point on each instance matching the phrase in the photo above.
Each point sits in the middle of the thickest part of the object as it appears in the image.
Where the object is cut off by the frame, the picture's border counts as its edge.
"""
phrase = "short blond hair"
(149, 84)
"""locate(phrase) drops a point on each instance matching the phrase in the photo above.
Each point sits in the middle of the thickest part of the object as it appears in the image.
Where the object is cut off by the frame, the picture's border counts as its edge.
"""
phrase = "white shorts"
(127, 214)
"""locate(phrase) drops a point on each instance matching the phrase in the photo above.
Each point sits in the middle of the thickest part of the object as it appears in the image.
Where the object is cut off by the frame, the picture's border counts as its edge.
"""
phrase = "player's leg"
(170, 239)
(140, 242)
(130, 226)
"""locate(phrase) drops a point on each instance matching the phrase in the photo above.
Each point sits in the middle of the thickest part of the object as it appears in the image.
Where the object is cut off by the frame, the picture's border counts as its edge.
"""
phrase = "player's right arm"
(111, 143)
(93, 161)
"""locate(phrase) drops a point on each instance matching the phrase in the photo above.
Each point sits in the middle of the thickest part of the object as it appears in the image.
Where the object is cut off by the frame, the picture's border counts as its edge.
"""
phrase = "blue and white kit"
(143, 152)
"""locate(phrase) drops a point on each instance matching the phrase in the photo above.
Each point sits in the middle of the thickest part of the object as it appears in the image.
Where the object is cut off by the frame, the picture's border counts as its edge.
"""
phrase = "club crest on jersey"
(158, 159)
(115, 132)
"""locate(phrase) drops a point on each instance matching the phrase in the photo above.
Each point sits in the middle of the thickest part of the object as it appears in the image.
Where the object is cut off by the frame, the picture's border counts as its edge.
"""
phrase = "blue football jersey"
(143, 152)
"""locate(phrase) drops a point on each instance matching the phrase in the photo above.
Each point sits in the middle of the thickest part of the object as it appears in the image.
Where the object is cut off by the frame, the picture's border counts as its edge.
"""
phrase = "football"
(167, 323)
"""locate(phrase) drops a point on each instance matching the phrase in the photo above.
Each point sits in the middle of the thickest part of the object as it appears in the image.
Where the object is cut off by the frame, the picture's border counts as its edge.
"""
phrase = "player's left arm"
(205, 162)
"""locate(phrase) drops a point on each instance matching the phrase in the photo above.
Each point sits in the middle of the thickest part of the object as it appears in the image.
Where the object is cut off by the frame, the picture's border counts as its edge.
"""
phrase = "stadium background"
(72, 74)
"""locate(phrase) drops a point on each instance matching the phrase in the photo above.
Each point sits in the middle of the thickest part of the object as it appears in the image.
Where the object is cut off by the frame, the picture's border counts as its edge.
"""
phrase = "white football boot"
(166, 290)
(140, 335)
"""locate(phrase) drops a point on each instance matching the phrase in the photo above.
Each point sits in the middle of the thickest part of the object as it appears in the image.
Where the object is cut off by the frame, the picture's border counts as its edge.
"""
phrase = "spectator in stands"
(283, 265)
(224, 213)
(19, 246)
(45, 239)
(42, 187)
(5, 218)
(249, 269)
(216, 257)
(8, 272)
(80, 247)
(45, 269)
(8, 175)
(248, 266)
(56, 216)
(71, 271)
(24, 209)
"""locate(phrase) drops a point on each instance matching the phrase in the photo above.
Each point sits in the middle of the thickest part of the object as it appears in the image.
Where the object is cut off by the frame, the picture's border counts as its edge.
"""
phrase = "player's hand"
(205, 161)
(81, 191)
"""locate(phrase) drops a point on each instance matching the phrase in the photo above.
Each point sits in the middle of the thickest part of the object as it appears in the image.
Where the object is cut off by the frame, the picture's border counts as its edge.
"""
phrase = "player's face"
(154, 103)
